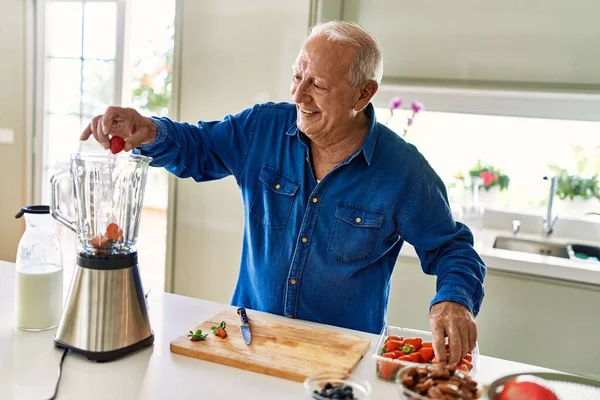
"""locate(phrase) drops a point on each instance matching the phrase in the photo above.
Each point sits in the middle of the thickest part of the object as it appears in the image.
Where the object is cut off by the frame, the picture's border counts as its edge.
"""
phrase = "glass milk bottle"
(39, 273)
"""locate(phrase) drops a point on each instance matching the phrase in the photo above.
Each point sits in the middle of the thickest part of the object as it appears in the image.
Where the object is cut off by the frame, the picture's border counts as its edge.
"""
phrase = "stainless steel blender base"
(105, 315)
(104, 356)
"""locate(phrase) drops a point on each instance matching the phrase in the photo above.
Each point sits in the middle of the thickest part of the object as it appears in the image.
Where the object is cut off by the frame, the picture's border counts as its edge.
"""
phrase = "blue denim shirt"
(325, 251)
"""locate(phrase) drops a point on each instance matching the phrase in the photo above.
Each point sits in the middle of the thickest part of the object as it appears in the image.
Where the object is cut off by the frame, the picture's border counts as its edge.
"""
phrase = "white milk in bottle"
(39, 293)
(39, 272)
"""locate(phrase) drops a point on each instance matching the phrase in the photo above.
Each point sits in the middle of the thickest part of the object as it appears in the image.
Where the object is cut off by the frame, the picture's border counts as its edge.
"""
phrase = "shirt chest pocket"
(355, 232)
(274, 198)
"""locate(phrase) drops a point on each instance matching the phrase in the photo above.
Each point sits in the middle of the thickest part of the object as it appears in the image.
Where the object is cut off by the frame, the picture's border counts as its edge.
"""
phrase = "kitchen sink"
(531, 246)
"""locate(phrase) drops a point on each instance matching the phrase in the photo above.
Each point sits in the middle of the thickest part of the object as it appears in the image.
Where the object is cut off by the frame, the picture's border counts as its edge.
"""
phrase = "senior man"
(330, 195)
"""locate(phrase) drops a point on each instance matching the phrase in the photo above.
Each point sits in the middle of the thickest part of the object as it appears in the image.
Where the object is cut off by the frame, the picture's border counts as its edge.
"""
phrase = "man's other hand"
(452, 320)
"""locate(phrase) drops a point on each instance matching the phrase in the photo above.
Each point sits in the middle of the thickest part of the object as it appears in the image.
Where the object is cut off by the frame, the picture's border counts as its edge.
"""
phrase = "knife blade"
(244, 326)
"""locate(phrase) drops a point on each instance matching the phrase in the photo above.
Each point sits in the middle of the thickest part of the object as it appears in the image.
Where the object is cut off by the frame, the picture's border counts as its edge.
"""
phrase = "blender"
(105, 315)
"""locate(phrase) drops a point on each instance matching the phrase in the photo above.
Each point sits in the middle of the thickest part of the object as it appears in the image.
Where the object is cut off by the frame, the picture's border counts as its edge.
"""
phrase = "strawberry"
(392, 345)
(390, 354)
(399, 353)
(220, 330)
(99, 241)
(222, 333)
(427, 345)
(414, 342)
(387, 370)
(117, 144)
(113, 232)
(407, 348)
(426, 354)
(394, 337)
(414, 357)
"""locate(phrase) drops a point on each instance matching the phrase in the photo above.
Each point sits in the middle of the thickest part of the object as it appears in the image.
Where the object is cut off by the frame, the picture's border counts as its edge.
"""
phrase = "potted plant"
(491, 177)
(576, 195)
(578, 190)
(481, 184)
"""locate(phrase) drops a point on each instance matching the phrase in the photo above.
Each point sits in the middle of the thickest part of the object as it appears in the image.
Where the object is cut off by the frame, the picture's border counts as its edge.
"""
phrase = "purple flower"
(416, 106)
(409, 122)
(395, 102)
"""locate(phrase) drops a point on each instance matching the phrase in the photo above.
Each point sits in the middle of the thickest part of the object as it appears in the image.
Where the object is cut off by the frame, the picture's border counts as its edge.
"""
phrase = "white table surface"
(29, 362)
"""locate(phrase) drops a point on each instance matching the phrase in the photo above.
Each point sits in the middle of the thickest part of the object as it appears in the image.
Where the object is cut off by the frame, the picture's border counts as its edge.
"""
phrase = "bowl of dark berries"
(437, 381)
(336, 385)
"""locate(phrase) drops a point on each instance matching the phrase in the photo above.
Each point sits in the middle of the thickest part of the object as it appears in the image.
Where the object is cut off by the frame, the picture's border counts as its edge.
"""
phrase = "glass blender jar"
(105, 314)
(108, 194)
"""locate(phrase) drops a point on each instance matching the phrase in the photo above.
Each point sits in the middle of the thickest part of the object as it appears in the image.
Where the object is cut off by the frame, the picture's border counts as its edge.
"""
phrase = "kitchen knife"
(244, 326)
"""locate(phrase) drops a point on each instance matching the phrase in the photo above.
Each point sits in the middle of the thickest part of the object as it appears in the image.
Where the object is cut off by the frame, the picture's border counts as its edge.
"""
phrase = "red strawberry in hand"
(117, 144)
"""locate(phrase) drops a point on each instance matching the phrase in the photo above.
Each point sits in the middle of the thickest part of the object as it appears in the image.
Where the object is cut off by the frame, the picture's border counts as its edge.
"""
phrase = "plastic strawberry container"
(387, 368)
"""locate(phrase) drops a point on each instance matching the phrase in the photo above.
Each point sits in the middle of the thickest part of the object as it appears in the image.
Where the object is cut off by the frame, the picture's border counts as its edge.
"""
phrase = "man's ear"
(367, 92)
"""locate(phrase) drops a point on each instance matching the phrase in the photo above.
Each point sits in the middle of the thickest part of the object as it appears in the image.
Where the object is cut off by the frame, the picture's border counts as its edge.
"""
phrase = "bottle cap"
(37, 209)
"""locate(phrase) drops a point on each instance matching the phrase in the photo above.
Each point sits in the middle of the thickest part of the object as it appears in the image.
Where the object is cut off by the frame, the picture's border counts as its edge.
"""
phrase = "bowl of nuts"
(336, 385)
(437, 381)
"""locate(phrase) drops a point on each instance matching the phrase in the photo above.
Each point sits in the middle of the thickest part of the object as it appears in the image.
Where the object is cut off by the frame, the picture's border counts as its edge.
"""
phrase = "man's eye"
(297, 77)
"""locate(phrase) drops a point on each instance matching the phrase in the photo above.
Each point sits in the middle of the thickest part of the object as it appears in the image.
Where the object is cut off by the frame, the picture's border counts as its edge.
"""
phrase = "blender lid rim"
(33, 209)
(102, 155)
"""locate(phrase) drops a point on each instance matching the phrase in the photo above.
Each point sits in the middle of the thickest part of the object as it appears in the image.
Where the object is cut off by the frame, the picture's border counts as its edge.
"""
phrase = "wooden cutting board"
(279, 348)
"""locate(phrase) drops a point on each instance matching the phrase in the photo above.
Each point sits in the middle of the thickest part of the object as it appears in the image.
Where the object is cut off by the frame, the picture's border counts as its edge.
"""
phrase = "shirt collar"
(368, 146)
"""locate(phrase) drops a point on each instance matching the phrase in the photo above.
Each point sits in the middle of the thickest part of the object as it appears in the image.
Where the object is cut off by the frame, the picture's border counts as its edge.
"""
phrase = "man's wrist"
(152, 131)
(152, 144)
(454, 294)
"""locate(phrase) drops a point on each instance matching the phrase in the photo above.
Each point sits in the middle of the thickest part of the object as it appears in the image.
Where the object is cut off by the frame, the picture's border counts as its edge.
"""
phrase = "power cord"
(62, 359)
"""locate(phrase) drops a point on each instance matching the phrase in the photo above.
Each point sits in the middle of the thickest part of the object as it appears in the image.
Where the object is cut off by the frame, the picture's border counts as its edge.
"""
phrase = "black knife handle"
(242, 312)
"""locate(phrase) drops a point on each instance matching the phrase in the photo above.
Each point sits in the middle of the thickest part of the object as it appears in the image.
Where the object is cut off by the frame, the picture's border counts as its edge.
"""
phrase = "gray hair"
(368, 64)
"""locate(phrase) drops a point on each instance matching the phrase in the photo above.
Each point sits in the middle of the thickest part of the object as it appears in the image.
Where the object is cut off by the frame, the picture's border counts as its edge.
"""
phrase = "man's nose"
(300, 92)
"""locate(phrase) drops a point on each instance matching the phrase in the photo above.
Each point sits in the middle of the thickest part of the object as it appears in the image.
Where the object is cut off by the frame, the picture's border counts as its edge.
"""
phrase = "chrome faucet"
(516, 226)
(549, 219)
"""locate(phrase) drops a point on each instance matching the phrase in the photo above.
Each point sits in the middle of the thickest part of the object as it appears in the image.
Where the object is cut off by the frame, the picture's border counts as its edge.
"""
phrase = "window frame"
(497, 102)
(38, 72)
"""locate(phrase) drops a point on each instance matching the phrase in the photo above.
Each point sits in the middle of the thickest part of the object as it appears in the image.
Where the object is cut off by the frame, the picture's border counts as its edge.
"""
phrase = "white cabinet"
(551, 43)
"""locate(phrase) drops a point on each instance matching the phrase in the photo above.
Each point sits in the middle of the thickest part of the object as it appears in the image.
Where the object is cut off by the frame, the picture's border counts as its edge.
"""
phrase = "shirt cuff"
(453, 293)
(161, 135)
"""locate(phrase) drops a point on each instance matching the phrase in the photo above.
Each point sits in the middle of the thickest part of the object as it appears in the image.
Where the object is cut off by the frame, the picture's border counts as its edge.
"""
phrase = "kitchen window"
(90, 55)
(522, 148)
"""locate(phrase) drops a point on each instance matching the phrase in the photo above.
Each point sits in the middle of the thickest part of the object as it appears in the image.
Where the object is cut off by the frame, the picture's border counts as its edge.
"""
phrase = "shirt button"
(304, 240)
(315, 200)
(293, 281)
(278, 186)
(306, 159)
(358, 220)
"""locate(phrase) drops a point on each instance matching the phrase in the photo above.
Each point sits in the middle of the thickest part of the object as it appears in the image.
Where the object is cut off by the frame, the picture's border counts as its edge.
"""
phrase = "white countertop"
(29, 362)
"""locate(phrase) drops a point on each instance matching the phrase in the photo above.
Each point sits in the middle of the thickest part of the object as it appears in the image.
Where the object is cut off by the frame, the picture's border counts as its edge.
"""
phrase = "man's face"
(321, 86)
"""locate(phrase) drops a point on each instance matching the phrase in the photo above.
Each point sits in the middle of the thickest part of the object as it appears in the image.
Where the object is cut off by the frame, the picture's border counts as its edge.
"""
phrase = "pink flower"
(488, 177)
(416, 106)
(395, 102)
(409, 122)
